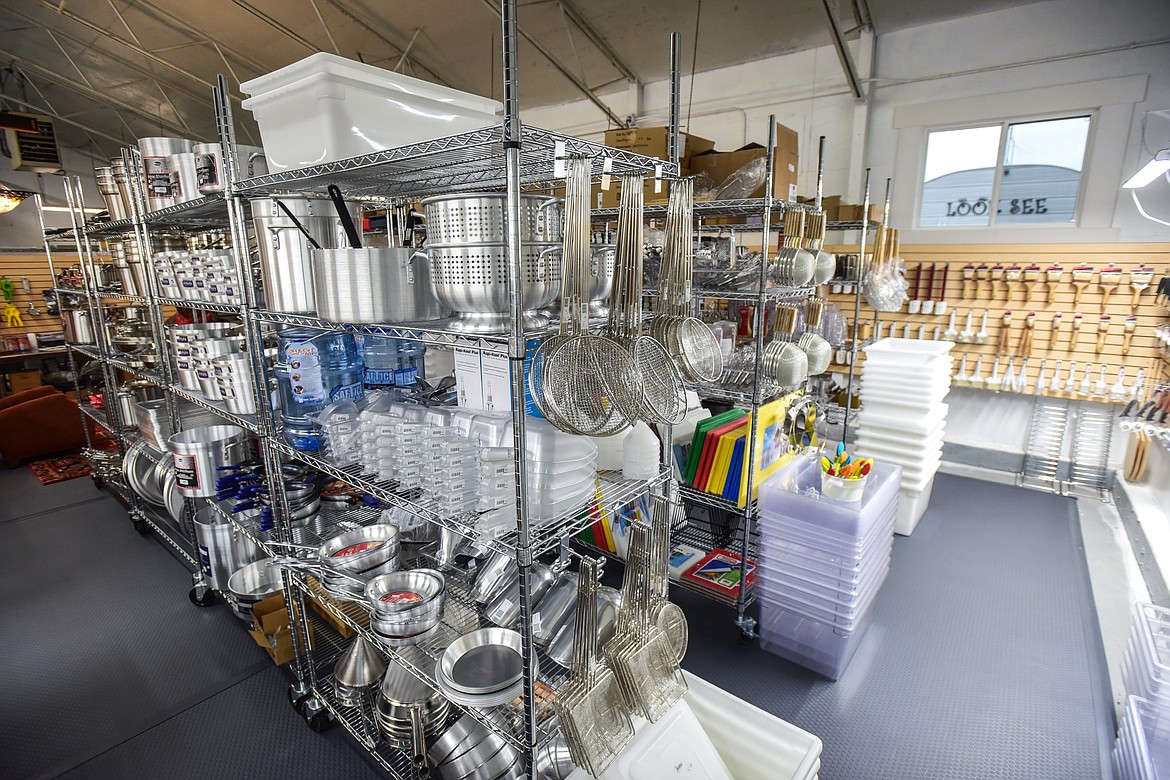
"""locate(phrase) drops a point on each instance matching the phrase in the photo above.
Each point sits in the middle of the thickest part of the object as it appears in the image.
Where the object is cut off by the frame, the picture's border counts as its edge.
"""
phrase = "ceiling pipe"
(844, 55)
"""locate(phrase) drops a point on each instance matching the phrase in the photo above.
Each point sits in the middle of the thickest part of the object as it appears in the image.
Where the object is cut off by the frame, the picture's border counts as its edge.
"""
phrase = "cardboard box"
(24, 380)
(271, 629)
(849, 213)
(341, 627)
(653, 142)
(720, 165)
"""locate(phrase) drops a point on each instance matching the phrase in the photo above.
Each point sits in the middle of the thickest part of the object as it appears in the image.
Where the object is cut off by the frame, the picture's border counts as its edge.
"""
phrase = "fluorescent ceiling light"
(1150, 171)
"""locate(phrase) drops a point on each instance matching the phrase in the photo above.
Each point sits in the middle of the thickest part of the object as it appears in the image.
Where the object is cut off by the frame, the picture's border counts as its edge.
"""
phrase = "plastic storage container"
(314, 369)
(325, 108)
(810, 643)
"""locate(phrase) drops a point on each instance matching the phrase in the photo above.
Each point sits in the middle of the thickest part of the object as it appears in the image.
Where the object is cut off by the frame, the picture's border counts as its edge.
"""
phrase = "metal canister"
(285, 261)
(222, 548)
(156, 168)
(199, 453)
(184, 184)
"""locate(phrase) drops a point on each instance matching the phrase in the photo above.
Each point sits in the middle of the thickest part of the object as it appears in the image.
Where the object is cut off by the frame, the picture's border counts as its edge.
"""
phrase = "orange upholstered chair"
(39, 422)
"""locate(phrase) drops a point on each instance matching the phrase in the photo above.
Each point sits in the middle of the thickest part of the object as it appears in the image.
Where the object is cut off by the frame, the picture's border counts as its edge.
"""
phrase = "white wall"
(1056, 48)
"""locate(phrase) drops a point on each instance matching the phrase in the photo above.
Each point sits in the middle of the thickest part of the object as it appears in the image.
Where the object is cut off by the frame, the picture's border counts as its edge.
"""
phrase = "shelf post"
(861, 271)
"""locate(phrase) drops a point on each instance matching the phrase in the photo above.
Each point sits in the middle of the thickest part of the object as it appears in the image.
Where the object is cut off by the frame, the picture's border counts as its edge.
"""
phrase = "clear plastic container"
(826, 550)
(787, 584)
(807, 642)
(841, 616)
(793, 493)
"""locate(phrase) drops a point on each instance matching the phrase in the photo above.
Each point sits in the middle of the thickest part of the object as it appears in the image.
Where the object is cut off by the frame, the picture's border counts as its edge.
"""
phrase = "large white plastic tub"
(753, 744)
(325, 108)
(911, 506)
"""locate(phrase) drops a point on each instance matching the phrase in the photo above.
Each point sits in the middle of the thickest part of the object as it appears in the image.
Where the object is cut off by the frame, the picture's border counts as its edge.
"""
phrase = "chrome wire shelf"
(88, 350)
(429, 333)
(183, 303)
(208, 211)
(165, 528)
(249, 422)
(119, 295)
(97, 415)
(140, 372)
(455, 163)
(611, 492)
(746, 296)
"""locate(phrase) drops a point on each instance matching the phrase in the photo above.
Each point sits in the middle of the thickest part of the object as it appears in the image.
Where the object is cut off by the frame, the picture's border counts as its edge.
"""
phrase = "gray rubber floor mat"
(247, 731)
(98, 640)
(983, 659)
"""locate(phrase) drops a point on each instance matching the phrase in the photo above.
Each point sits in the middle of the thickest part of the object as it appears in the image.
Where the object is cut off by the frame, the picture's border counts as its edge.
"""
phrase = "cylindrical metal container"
(183, 339)
(156, 153)
(234, 377)
(118, 166)
(184, 182)
(222, 548)
(384, 285)
(285, 261)
(209, 165)
(253, 582)
(78, 326)
(204, 353)
(198, 454)
(108, 187)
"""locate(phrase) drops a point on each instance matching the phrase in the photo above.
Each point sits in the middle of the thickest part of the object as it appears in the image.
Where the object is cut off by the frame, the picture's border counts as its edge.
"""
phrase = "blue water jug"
(314, 369)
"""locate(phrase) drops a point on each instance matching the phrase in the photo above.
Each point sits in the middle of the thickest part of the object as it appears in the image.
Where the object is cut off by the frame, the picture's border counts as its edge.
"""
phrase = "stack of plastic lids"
(821, 564)
(1142, 750)
(903, 417)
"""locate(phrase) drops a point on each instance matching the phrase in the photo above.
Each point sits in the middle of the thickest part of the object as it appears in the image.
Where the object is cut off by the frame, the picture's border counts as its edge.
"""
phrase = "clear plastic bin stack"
(1142, 750)
(821, 564)
(903, 417)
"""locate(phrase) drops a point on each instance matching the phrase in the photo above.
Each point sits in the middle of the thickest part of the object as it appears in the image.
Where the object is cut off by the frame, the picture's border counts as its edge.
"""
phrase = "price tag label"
(560, 155)
(606, 174)
(658, 177)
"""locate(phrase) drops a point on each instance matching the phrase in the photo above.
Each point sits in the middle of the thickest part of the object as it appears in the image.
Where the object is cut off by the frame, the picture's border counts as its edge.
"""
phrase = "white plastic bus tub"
(326, 108)
(753, 744)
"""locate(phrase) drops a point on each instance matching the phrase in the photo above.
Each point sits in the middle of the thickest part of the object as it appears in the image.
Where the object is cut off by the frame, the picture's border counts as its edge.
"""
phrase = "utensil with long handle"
(1052, 278)
(928, 301)
(1140, 279)
(1102, 332)
(961, 378)
(1012, 275)
(1054, 333)
(1086, 385)
(982, 337)
(940, 305)
(983, 274)
(304, 231)
(1118, 392)
(998, 274)
(915, 304)
(1054, 385)
(1031, 279)
(351, 231)
(1005, 334)
(967, 335)
(1029, 331)
(1041, 383)
(1127, 338)
(1102, 386)
(1009, 374)
(1082, 277)
(1075, 332)
(1021, 381)
(969, 278)
(977, 379)
(1071, 383)
(1110, 281)
(950, 334)
(995, 380)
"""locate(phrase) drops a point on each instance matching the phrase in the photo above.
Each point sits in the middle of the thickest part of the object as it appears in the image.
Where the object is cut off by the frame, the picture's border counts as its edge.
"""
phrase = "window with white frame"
(1008, 173)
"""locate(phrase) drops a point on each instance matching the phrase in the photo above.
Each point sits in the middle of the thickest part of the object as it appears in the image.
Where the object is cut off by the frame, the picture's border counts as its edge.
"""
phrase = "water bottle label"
(304, 373)
(405, 377)
(379, 377)
(353, 392)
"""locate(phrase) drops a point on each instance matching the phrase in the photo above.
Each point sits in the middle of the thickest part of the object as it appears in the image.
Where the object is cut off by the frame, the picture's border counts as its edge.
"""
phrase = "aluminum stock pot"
(384, 285)
(199, 453)
(478, 218)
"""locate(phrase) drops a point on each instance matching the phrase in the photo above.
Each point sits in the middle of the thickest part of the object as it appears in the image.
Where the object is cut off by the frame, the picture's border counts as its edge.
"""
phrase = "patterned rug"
(60, 469)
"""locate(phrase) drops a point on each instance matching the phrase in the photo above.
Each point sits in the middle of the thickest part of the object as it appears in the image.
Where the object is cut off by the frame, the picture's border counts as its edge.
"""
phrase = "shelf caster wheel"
(98, 482)
(141, 527)
(297, 699)
(201, 596)
(745, 637)
(319, 721)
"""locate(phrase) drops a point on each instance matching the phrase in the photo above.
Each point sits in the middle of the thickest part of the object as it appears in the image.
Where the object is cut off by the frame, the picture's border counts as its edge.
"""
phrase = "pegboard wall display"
(28, 300)
(1073, 320)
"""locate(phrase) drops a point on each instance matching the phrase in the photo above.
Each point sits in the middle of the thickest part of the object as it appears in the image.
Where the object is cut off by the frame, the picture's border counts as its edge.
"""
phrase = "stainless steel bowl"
(249, 584)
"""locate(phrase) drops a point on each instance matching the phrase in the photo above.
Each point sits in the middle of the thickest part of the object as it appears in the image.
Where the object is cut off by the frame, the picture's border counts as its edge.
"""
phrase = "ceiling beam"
(861, 12)
(280, 28)
(176, 23)
(844, 55)
(93, 94)
(598, 41)
(360, 21)
(540, 47)
(61, 11)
